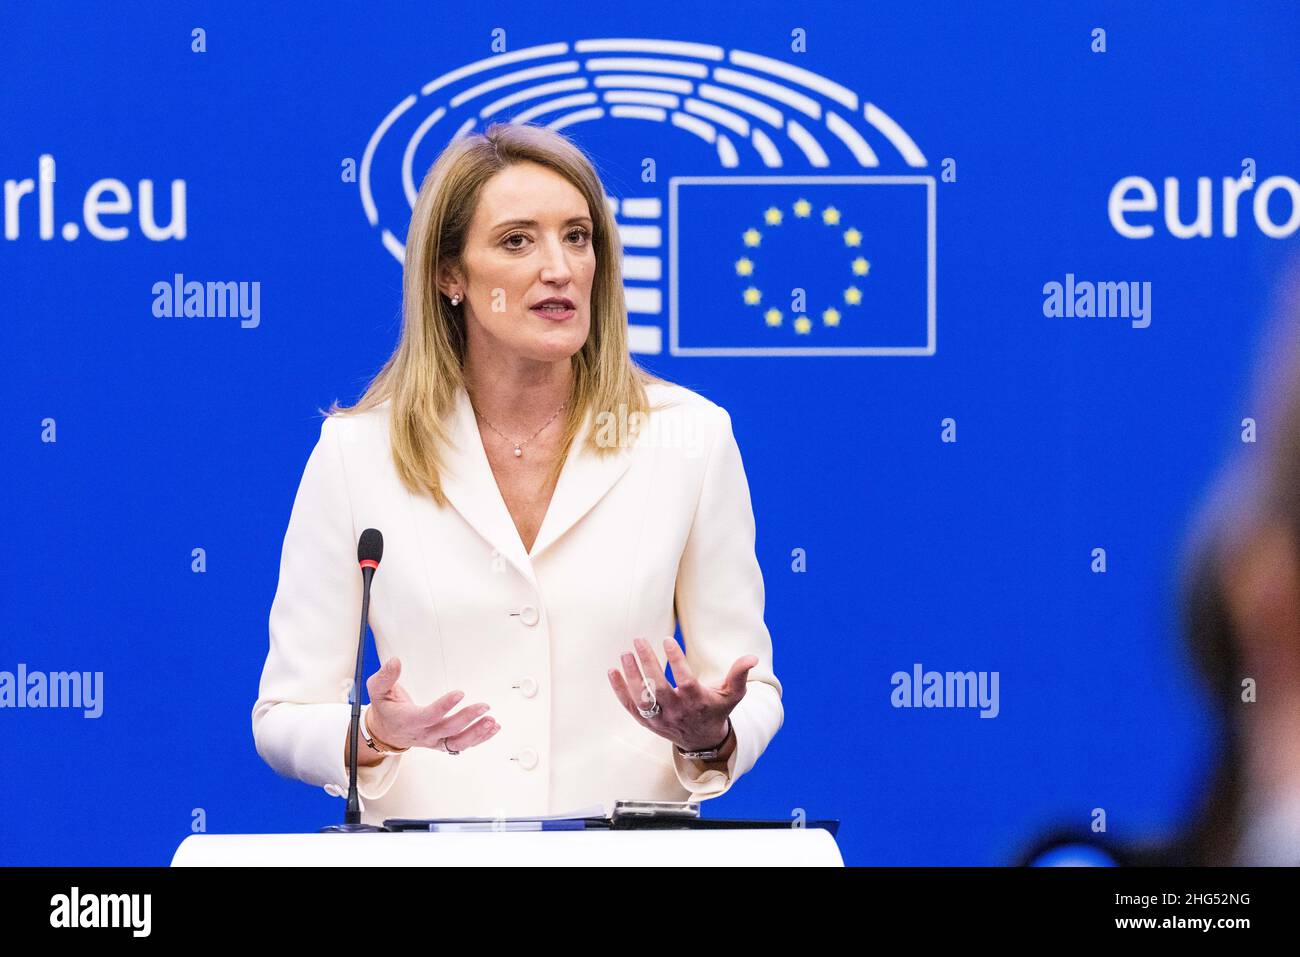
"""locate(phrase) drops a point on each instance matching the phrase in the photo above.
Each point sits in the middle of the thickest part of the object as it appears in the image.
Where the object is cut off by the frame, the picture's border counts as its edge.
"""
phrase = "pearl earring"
(455, 300)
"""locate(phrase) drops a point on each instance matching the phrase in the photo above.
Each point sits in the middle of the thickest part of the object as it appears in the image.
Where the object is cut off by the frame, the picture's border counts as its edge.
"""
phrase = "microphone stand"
(352, 817)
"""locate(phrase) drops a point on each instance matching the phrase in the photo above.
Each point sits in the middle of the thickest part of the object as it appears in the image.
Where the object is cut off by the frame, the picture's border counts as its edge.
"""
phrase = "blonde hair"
(426, 370)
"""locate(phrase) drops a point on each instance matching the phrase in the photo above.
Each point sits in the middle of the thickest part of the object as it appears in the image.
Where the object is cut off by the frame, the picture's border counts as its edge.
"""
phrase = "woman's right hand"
(399, 722)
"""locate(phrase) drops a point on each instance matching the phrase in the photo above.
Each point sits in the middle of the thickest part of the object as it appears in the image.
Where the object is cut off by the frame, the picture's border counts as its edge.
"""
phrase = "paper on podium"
(575, 819)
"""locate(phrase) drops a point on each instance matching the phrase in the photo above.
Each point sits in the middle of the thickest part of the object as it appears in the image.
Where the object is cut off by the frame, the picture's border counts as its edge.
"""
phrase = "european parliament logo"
(780, 231)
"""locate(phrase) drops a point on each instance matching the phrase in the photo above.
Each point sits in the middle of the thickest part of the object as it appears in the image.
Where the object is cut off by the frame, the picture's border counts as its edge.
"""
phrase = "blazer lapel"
(471, 487)
(583, 482)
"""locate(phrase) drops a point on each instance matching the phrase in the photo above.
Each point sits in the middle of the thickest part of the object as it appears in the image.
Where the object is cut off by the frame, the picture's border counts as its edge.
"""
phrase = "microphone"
(370, 549)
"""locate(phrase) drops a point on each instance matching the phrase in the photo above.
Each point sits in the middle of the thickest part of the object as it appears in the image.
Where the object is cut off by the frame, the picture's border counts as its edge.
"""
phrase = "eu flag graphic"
(801, 265)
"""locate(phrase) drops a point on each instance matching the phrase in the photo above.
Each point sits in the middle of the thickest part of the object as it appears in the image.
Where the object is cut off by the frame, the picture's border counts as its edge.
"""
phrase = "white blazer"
(662, 529)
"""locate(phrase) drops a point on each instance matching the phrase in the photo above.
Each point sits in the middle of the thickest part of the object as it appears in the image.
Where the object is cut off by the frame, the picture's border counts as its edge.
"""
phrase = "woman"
(549, 511)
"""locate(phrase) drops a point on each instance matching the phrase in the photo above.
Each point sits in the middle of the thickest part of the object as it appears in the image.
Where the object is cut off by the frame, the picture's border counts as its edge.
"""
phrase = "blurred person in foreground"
(1240, 615)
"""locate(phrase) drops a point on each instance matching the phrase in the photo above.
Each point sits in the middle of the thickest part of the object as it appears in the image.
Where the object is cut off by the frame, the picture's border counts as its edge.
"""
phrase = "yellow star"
(861, 267)
(853, 295)
(773, 317)
(831, 216)
(802, 325)
(802, 208)
(772, 217)
(752, 237)
(752, 296)
(852, 237)
(831, 317)
(744, 266)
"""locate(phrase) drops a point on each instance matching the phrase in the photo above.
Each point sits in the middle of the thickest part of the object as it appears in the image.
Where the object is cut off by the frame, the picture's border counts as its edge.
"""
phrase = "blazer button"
(528, 615)
(527, 687)
(527, 759)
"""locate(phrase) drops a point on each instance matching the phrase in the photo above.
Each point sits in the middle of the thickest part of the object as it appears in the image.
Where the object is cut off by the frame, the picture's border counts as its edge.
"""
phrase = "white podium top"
(764, 847)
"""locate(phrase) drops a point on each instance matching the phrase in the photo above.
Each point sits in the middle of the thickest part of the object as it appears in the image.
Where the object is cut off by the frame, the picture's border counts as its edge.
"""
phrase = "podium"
(684, 847)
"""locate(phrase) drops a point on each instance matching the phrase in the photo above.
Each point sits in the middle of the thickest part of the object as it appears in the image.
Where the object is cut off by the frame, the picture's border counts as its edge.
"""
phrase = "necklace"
(519, 446)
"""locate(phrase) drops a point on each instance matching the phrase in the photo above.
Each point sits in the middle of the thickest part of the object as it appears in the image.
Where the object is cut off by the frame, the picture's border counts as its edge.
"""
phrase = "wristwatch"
(370, 740)
(709, 754)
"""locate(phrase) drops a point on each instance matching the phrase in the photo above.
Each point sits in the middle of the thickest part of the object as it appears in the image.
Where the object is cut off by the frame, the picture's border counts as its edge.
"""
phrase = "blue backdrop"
(968, 156)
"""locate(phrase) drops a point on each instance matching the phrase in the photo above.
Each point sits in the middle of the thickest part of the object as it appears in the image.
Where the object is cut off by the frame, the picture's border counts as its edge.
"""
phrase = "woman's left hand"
(693, 715)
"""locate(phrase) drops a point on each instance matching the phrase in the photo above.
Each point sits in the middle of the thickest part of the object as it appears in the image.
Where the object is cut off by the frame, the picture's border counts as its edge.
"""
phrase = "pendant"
(518, 451)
